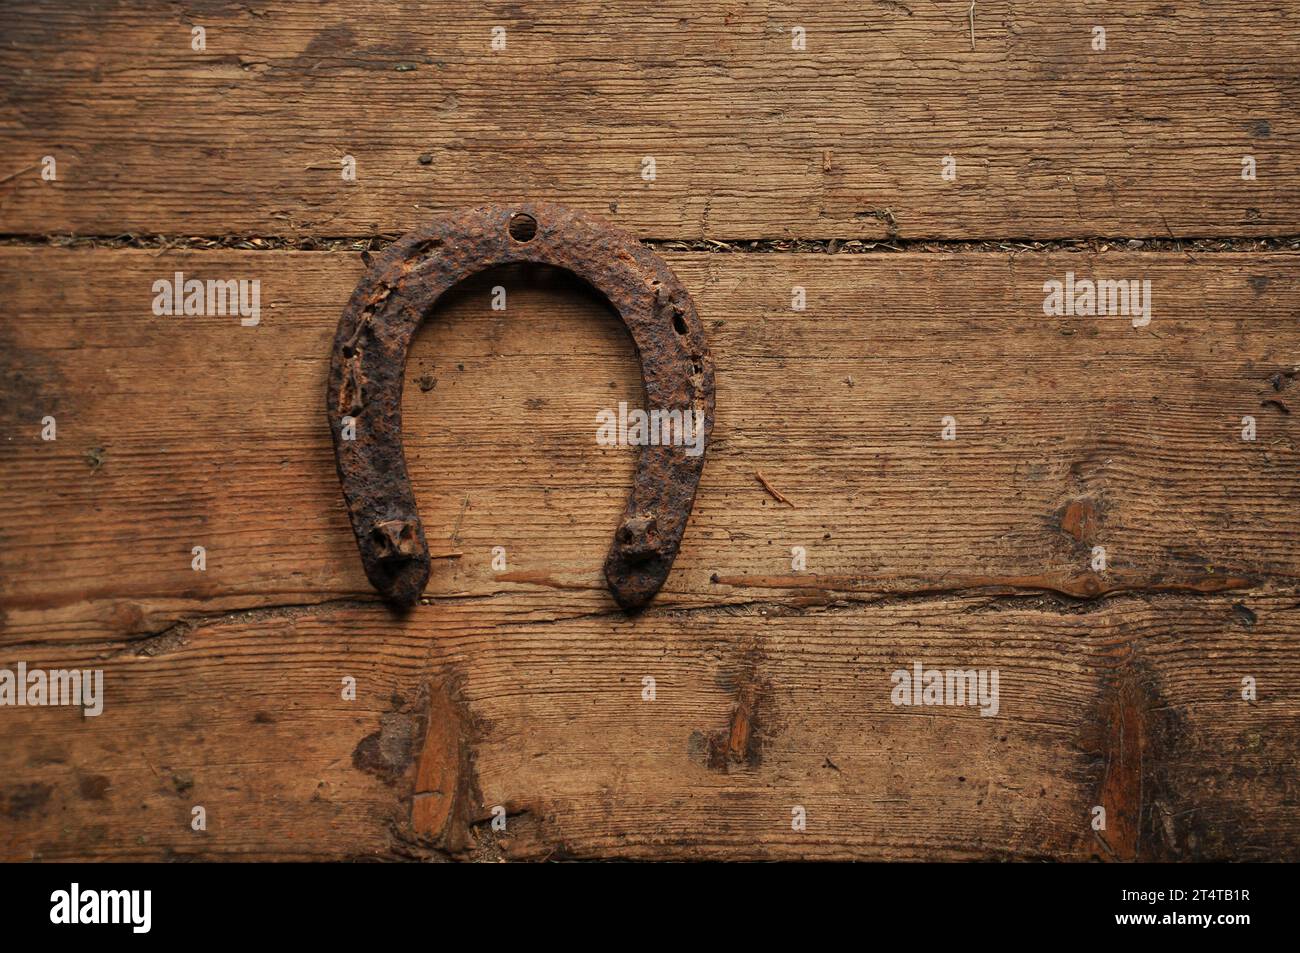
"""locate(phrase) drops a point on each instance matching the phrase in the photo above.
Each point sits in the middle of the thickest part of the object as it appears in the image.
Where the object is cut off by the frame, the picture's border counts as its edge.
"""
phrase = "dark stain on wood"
(19, 800)
(93, 787)
(1157, 779)
(389, 752)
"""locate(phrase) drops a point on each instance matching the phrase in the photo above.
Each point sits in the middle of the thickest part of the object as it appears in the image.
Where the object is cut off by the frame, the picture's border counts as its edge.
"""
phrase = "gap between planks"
(843, 246)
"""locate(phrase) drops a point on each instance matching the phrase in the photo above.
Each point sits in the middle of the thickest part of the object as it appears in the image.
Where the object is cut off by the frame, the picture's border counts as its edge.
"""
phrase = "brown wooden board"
(180, 431)
(535, 705)
(751, 138)
(523, 688)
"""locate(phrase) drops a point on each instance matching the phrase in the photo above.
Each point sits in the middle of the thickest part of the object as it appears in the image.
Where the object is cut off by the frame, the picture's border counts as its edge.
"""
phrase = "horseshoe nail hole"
(679, 323)
(522, 227)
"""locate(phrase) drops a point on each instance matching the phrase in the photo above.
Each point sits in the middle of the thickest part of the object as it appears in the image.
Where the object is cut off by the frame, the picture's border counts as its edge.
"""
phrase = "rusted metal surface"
(402, 285)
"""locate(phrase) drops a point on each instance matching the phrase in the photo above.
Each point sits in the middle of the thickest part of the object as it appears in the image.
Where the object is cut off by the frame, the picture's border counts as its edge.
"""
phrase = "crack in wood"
(1077, 585)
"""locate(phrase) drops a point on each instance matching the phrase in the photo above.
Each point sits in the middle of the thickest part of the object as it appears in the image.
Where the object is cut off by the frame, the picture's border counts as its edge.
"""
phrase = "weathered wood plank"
(468, 705)
(1071, 433)
(750, 137)
(523, 688)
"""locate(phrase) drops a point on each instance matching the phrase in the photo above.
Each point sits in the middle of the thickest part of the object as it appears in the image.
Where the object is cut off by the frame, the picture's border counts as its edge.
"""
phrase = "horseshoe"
(401, 286)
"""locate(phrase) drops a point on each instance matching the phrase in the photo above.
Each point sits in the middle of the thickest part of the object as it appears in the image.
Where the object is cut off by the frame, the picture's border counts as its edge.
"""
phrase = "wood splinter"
(776, 494)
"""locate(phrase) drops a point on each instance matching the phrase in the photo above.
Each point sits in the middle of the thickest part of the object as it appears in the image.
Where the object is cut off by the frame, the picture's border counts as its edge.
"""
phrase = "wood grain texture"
(751, 138)
(211, 433)
(536, 707)
(523, 689)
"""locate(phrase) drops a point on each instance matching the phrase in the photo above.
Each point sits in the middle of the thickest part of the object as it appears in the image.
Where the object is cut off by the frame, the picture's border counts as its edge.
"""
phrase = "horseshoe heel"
(400, 288)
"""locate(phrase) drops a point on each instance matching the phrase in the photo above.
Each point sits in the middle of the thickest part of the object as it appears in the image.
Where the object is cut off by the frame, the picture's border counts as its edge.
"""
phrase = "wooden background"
(522, 689)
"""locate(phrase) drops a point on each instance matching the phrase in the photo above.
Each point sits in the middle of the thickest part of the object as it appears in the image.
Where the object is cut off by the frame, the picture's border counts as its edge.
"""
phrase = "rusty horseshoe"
(400, 288)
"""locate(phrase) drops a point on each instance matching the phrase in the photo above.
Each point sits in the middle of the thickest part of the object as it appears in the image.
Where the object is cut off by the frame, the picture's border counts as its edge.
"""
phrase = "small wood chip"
(776, 494)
